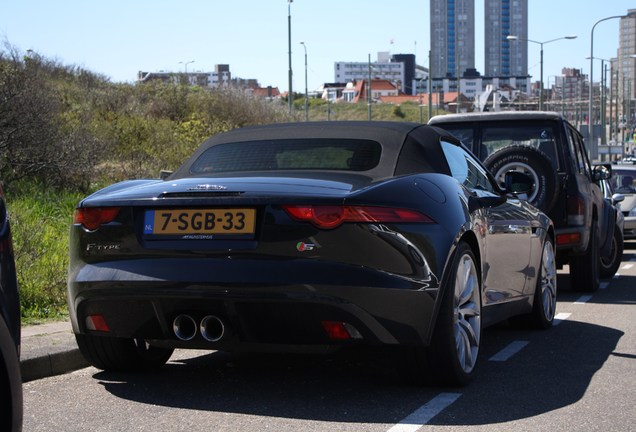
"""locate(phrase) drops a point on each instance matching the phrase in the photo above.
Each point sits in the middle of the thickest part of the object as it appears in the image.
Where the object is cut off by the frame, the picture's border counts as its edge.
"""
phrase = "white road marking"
(583, 299)
(425, 413)
(627, 266)
(560, 317)
(509, 351)
(616, 275)
(604, 285)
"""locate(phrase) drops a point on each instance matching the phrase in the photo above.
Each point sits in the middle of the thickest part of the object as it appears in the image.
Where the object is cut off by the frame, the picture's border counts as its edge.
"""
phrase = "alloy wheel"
(548, 281)
(467, 313)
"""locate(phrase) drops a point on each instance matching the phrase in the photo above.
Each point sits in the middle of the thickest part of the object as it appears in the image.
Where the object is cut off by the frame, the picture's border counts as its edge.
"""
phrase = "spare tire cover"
(532, 162)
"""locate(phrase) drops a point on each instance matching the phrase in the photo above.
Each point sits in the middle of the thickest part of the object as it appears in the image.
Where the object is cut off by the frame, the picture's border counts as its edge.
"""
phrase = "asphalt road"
(578, 376)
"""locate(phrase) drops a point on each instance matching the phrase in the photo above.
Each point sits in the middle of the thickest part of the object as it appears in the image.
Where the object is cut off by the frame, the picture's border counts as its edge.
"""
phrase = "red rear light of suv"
(576, 211)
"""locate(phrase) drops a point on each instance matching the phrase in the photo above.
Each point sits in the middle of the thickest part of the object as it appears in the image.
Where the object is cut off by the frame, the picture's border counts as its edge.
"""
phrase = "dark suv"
(548, 148)
(10, 379)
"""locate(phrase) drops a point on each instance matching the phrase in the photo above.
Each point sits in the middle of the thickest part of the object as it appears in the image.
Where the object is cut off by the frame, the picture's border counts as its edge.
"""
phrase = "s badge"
(302, 246)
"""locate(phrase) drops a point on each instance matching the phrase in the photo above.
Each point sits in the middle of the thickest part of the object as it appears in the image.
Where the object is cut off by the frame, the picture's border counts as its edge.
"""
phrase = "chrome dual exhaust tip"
(184, 327)
(211, 328)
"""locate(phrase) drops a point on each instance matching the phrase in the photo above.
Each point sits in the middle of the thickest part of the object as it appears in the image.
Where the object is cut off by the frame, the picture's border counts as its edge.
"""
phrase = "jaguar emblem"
(208, 187)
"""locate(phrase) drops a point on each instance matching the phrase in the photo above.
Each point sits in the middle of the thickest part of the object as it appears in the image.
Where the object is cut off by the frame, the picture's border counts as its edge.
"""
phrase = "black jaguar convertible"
(306, 237)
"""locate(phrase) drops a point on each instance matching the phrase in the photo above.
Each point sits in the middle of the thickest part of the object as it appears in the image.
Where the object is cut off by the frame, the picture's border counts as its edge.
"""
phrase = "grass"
(408, 111)
(40, 220)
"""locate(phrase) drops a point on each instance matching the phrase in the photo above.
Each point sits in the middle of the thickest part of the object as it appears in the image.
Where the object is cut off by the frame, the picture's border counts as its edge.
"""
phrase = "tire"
(121, 355)
(585, 269)
(532, 162)
(544, 304)
(609, 265)
(452, 356)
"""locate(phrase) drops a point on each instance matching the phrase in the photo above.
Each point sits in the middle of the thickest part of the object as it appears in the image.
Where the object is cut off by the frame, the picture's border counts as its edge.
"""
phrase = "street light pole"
(306, 94)
(603, 98)
(185, 64)
(289, 94)
(369, 91)
(541, 79)
(511, 37)
(430, 88)
(590, 120)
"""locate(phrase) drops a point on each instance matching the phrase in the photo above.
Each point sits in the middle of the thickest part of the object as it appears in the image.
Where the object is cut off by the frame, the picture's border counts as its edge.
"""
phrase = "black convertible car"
(309, 236)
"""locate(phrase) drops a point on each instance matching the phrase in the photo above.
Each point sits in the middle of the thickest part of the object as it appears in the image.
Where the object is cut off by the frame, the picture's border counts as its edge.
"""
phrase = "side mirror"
(518, 183)
(164, 174)
(601, 172)
(617, 197)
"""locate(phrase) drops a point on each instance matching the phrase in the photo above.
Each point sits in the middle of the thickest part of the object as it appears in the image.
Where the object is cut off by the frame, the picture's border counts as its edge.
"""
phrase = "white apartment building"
(382, 69)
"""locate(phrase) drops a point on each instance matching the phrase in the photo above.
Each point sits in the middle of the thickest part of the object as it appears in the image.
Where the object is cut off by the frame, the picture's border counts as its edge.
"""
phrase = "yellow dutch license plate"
(200, 221)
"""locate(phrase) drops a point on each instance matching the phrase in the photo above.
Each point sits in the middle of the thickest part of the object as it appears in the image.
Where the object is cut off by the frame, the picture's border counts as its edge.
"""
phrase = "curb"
(51, 365)
(48, 350)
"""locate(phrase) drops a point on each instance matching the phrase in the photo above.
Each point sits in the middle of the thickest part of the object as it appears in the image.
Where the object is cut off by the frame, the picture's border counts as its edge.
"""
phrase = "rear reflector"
(92, 218)
(97, 323)
(567, 239)
(337, 330)
(329, 217)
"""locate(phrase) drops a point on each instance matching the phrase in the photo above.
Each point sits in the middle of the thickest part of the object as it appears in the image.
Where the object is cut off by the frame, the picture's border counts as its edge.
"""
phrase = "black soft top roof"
(390, 135)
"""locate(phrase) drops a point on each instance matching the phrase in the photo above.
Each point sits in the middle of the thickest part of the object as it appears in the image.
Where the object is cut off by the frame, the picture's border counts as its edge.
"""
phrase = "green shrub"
(397, 112)
(40, 220)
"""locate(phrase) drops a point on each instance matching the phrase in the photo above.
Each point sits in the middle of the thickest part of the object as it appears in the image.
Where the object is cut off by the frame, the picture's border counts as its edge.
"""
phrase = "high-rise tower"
(627, 61)
(504, 58)
(452, 37)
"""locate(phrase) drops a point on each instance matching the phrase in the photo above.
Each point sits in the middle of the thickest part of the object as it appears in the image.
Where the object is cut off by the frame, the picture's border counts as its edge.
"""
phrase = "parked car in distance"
(628, 160)
(549, 149)
(610, 264)
(10, 377)
(623, 181)
(311, 236)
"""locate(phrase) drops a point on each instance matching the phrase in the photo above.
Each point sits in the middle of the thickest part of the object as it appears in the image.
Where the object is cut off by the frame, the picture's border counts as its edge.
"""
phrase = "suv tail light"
(576, 211)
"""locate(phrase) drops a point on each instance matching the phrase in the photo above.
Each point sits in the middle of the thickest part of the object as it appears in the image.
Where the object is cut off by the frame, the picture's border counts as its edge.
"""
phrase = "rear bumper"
(270, 307)
(630, 226)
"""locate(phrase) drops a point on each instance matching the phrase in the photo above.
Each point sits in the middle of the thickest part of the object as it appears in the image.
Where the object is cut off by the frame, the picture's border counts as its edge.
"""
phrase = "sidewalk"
(49, 349)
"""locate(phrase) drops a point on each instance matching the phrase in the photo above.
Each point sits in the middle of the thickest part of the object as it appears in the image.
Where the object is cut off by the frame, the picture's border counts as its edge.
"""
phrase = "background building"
(398, 69)
(452, 37)
(504, 58)
(221, 76)
(627, 68)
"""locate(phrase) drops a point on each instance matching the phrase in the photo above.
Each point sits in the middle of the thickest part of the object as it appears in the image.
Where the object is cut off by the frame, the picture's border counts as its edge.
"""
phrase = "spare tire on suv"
(532, 162)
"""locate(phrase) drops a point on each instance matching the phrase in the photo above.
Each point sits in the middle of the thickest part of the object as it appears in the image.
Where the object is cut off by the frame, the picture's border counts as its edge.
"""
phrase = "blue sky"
(118, 38)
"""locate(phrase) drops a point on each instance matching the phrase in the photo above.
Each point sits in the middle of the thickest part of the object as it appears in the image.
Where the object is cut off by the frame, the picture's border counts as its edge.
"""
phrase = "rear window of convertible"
(289, 154)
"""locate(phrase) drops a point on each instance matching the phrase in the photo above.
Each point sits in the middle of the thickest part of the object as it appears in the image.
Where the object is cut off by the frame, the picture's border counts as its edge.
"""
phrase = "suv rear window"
(539, 136)
(291, 154)
(497, 136)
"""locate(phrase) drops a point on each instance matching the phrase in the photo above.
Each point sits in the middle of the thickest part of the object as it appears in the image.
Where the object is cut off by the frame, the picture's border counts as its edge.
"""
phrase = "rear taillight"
(92, 218)
(576, 211)
(337, 330)
(328, 217)
(97, 323)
